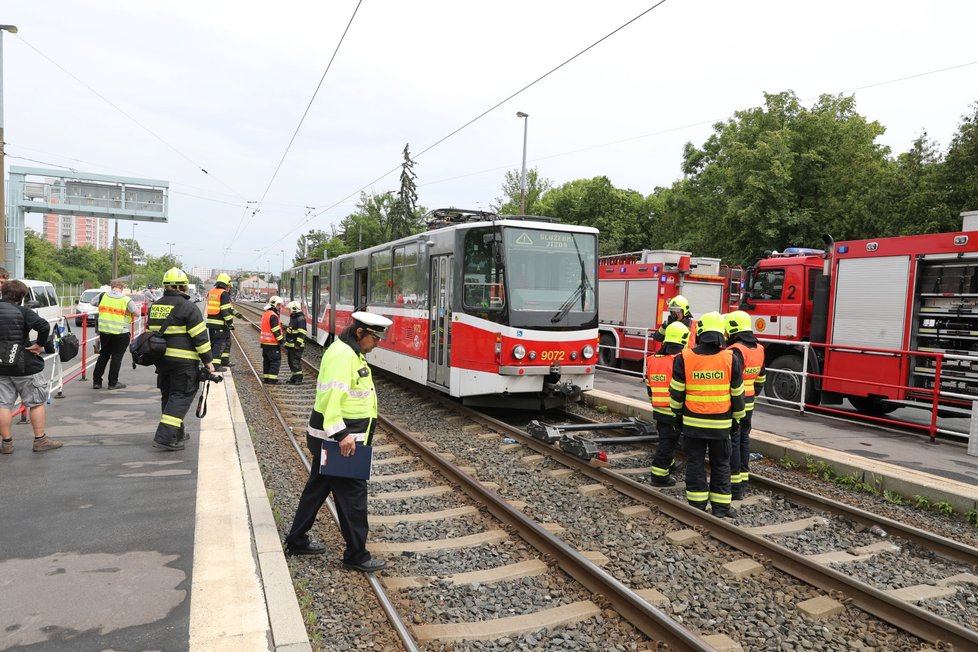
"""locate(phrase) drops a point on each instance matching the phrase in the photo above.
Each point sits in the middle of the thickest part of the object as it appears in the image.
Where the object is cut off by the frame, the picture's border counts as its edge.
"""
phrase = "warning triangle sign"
(524, 239)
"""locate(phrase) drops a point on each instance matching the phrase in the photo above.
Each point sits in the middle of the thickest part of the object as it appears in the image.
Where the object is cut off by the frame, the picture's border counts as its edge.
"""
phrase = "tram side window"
(324, 283)
(407, 275)
(768, 285)
(482, 279)
(346, 282)
(380, 277)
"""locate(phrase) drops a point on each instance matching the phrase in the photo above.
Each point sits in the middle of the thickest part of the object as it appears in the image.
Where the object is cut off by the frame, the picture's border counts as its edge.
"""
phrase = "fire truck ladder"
(588, 449)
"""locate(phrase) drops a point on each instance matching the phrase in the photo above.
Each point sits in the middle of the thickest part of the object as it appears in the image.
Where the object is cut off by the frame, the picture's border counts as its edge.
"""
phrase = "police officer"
(187, 346)
(116, 312)
(271, 340)
(708, 388)
(346, 411)
(658, 375)
(295, 341)
(740, 338)
(220, 317)
(678, 311)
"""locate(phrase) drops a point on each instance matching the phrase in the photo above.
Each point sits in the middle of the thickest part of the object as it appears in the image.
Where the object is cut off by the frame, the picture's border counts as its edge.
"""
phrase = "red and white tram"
(495, 310)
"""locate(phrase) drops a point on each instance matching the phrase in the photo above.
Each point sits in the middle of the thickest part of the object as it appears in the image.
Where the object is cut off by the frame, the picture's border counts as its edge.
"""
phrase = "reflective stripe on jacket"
(113, 314)
(186, 334)
(658, 374)
(295, 334)
(271, 329)
(754, 377)
(346, 402)
(707, 385)
(220, 313)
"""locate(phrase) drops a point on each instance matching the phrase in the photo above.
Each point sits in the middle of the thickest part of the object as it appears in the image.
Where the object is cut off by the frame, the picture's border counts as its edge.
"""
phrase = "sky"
(165, 90)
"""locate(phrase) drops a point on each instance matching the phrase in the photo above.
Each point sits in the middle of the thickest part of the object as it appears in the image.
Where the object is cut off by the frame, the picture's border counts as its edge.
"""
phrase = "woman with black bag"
(21, 367)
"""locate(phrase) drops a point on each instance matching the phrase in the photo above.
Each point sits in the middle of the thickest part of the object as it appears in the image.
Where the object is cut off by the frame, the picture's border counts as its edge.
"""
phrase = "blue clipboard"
(355, 466)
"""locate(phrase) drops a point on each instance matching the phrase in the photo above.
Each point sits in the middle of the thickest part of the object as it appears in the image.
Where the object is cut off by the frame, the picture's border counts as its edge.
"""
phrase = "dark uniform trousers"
(719, 483)
(295, 362)
(113, 348)
(178, 386)
(350, 497)
(740, 454)
(220, 343)
(666, 449)
(271, 360)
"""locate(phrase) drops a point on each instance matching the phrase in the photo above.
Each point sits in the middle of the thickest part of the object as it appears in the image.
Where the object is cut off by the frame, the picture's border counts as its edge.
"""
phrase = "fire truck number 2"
(555, 356)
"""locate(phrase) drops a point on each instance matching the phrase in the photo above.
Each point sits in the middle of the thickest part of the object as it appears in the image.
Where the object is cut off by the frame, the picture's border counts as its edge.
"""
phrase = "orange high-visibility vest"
(214, 301)
(658, 375)
(708, 382)
(753, 361)
(268, 335)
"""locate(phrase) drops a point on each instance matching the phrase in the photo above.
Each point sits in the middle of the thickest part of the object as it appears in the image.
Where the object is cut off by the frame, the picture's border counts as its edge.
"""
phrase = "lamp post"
(524, 116)
(132, 258)
(3, 210)
(171, 247)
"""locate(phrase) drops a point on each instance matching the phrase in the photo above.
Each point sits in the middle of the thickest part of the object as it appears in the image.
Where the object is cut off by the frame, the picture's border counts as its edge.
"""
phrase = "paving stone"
(821, 607)
(592, 489)
(684, 537)
(635, 511)
(741, 568)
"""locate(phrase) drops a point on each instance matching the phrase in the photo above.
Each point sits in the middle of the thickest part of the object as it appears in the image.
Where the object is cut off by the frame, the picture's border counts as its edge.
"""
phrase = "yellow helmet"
(737, 321)
(175, 276)
(677, 333)
(709, 322)
(679, 303)
(224, 278)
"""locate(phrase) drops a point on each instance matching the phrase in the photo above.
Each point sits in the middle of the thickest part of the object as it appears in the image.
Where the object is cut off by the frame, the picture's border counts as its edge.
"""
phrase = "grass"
(972, 516)
(892, 497)
(276, 512)
(601, 409)
(788, 463)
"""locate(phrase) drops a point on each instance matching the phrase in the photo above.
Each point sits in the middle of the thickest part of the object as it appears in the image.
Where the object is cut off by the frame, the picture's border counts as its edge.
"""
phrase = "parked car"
(141, 303)
(43, 300)
(87, 308)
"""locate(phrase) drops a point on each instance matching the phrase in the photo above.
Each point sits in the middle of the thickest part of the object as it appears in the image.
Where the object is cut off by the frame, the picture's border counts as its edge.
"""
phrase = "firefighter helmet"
(677, 333)
(679, 304)
(737, 321)
(710, 322)
(175, 276)
(294, 306)
(224, 278)
(275, 301)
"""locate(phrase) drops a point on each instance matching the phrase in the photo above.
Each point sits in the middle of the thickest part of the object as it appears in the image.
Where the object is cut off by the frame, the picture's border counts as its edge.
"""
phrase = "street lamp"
(524, 116)
(3, 220)
(171, 247)
(132, 258)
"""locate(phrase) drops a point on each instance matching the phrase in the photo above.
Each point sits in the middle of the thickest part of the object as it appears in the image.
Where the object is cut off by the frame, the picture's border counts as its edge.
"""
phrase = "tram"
(495, 310)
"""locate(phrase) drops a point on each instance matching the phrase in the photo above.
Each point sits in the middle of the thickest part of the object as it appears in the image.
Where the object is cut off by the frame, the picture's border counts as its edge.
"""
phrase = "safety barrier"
(645, 335)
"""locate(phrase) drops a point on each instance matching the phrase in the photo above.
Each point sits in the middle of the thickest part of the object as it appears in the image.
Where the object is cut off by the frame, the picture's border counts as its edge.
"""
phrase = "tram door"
(314, 309)
(360, 288)
(440, 321)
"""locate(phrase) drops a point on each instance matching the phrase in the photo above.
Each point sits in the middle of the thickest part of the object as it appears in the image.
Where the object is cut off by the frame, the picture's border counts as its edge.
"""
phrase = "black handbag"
(68, 346)
(148, 349)
(12, 358)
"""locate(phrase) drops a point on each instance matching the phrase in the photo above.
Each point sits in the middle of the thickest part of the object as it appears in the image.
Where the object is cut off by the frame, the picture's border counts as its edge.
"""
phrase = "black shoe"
(724, 512)
(270, 381)
(311, 548)
(662, 481)
(183, 436)
(228, 364)
(118, 386)
(368, 566)
(295, 381)
(175, 445)
(96, 385)
(220, 369)
(736, 494)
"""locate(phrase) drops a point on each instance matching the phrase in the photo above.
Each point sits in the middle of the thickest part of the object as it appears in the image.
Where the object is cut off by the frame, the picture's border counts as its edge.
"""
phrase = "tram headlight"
(533, 355)
(587, 351)
(519, 352)
(573, 355)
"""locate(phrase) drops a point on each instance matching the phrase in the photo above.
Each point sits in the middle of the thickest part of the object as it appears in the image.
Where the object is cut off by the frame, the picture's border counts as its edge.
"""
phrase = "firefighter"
(678, 311)
(187, 346)
(295, 341)
(271, 341)
(220, 318)
(345, 410)
(707, 387)
(740, 338)
(658, 374)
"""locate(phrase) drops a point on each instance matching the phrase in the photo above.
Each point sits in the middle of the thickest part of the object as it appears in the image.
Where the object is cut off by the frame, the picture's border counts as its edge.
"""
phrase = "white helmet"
(294, 306)
(275, 301)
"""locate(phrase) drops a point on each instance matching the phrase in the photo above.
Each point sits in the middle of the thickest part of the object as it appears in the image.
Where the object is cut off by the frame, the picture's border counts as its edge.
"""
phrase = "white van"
(42, 298)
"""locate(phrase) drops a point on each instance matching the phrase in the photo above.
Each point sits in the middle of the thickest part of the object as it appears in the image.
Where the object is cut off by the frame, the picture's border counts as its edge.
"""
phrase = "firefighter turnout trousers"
(740, 456)
(717, 491)
(271, 360)
(220, 344)
(295, 363)
(178, 386)
(662, 461)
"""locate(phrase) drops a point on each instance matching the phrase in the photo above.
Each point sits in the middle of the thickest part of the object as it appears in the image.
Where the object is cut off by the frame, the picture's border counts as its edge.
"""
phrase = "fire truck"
(634, 292)
(871, 308)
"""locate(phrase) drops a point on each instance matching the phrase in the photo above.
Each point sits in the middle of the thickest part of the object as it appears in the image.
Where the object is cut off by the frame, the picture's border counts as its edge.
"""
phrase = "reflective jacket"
(690, 323)
(658, 375)
(114, 313)
(346, 402)
(186, 334)
(754, 376)
(708, 386)
(295, 334)
(220, 313)
(271, 329)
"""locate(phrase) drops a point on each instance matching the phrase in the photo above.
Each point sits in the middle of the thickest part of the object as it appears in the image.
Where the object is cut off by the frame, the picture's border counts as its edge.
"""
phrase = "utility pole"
(115, 252)
(3, 207)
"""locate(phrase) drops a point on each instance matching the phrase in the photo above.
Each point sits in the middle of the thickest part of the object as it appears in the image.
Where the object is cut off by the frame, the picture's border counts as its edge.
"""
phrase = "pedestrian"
(271, 341)
(741, 339)
(708, 387)
(116, 311)
(658, 376)
(345, 410)
(178, 373)
(220, 319)
(28, 382)
(678, 311)
(295, 341)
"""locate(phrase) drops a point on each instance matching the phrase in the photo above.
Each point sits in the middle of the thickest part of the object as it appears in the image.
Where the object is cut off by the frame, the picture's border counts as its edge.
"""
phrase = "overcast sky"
(222, 85)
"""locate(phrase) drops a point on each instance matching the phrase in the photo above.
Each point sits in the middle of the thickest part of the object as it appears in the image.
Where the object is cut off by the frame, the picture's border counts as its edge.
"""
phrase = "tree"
(509, 203)
(959, 172)
(404, 218)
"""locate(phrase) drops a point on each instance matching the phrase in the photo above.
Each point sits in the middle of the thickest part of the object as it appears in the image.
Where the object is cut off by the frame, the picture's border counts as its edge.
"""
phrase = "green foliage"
(943, 507)
(819, 468)
(848, 481)
(375, 219)
(923, 502)
(509, 203)
(788, 463)
(972, 516)
(404, 217)
(601, 409)
(892, 497)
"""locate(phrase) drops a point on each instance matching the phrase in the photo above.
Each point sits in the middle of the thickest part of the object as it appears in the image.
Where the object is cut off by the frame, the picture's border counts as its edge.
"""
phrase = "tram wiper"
(580, 292)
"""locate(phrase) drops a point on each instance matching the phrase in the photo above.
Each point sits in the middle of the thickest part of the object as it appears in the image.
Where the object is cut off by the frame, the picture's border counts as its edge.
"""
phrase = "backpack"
(148, 349)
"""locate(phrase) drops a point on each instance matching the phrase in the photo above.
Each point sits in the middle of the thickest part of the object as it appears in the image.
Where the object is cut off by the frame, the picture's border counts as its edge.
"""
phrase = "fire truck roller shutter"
(871, 302)
(703, 297)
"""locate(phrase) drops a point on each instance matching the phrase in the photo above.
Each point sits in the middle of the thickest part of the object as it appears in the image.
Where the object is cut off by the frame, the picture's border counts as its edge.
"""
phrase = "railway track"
(648, 510)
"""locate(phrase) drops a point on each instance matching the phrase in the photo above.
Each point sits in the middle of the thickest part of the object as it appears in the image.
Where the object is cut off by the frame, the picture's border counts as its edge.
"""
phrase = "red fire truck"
(634, 293)
(866, 305)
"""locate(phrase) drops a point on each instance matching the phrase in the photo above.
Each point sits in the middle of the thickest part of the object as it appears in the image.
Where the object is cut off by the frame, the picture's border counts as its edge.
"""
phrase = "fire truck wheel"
(787, 387)
(606, 352)
(872, 406)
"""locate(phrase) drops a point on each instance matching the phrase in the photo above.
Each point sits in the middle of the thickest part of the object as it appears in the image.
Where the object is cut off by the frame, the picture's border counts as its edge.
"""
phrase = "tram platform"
(905, 463)
(109, 543)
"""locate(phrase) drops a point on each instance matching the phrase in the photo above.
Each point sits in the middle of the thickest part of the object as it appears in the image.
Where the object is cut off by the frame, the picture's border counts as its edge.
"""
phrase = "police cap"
(373, 323)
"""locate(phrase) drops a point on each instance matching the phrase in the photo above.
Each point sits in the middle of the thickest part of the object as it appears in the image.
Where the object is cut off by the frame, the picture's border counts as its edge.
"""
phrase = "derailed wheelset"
(643, 432)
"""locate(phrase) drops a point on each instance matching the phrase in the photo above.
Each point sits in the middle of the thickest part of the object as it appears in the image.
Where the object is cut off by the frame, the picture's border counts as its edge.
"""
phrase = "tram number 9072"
(552, 356)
